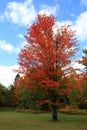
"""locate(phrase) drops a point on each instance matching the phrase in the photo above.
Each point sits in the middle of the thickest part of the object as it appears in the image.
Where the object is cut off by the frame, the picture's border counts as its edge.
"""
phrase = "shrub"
(71, 110)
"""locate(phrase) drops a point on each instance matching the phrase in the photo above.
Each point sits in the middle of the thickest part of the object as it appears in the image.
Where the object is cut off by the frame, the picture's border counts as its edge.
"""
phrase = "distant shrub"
(71, 110)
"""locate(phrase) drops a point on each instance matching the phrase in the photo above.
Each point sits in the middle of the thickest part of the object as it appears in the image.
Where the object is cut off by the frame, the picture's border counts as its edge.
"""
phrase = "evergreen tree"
(84, 60)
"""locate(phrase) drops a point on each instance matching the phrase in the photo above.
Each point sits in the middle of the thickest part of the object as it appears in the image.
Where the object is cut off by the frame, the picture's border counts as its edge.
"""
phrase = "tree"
(83, 100)
(84, 59)
(3, 94)
(83, 97)
(46, 57)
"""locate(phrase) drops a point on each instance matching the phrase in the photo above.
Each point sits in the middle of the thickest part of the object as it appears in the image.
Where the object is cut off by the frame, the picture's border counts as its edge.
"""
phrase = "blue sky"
(17, 15)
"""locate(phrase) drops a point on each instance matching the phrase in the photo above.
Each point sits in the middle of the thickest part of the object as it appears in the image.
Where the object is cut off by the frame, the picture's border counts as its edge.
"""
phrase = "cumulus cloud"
(49, 10)
(6, 46)
(24, 13)
(58, 24)
(21, 36)
(76, 65)
(81, 26)
(7, 75)
(20, 13)
(67, 22)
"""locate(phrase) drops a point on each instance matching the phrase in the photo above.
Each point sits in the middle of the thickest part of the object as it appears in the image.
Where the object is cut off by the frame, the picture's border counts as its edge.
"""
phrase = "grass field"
(11, 120)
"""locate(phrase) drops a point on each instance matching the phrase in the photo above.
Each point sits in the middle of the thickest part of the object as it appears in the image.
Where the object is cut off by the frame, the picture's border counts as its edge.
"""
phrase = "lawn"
(11, 120)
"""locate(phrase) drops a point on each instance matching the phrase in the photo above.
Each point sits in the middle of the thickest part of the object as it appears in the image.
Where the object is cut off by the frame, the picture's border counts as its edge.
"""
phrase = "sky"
(17, 15)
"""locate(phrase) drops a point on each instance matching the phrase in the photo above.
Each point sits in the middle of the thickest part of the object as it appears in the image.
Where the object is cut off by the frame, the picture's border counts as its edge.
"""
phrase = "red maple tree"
(47, 55)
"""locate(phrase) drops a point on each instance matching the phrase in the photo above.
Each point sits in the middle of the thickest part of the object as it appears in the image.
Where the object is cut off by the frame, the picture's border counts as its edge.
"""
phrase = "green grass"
(11, 120)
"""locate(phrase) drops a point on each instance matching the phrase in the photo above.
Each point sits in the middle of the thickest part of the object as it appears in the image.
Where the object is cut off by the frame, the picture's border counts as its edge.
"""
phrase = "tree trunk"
(54, 112)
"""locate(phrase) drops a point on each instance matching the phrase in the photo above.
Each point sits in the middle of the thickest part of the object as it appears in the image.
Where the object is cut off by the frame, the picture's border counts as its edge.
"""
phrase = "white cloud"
(21, 36)
(67, 22)
(81, 26)
(24, 13)
(7, 75)
(58, 24)
(76, 65)
(49, 10)
(20, 13)
(6, 46)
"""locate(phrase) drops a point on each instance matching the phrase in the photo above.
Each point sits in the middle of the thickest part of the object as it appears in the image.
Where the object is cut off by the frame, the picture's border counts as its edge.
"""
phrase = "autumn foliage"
(46, 54)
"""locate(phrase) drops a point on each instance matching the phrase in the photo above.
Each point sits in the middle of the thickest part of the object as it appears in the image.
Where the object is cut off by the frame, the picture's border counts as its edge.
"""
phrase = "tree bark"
(54, 112)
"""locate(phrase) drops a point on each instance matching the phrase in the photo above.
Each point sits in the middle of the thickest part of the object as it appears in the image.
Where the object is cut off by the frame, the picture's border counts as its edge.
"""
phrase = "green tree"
(3, 93)
(84, 60)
